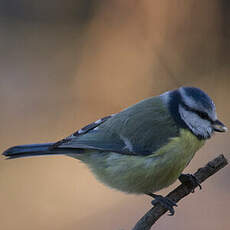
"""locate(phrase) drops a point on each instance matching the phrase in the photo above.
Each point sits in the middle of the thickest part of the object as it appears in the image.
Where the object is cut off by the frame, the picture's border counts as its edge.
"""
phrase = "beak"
(219, 126)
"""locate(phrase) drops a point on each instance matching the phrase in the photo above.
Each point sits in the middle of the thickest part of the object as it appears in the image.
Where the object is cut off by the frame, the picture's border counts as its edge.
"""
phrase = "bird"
(145, 147)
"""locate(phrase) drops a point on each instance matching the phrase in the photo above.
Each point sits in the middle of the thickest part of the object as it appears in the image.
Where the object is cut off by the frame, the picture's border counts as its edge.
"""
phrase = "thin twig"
(146, 222)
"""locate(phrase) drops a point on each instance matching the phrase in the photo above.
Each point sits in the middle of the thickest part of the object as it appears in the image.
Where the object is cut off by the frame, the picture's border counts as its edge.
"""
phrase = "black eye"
(203, 115)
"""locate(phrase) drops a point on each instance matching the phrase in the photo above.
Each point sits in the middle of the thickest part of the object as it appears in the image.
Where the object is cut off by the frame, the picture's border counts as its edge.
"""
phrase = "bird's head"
(194, 109)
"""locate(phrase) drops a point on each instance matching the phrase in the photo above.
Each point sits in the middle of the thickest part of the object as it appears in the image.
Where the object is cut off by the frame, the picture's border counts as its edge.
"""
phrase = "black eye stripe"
(203, 115)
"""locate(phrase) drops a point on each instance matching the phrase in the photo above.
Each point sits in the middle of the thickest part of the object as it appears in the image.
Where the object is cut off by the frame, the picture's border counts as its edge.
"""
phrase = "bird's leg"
(189, 180)
(164, 201)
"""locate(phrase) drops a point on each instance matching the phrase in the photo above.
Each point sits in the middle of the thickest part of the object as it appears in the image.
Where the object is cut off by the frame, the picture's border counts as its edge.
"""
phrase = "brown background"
(66, 63)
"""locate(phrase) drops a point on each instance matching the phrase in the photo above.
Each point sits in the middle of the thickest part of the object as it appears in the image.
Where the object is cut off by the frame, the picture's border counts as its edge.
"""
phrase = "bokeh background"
(64, 64)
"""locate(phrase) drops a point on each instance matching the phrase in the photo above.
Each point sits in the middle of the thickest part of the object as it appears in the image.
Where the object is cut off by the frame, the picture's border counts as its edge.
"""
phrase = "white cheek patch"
(196, 124)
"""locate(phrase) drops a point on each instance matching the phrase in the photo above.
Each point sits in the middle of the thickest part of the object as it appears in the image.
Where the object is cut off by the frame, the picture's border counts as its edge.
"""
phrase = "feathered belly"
(142, 174)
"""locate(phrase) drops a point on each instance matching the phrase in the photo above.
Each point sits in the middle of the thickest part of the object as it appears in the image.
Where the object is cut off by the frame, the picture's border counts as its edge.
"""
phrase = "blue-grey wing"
(138, 130)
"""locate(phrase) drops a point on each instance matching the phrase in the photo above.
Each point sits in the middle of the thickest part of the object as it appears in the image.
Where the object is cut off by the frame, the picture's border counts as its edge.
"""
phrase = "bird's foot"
(164, 201)
(189, 180)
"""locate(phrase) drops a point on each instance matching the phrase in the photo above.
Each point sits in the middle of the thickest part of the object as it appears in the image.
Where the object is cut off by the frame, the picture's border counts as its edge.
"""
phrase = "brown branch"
(146, 222)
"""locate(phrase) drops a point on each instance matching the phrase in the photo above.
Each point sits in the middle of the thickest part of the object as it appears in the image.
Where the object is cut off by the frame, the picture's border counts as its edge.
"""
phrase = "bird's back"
(138, 130)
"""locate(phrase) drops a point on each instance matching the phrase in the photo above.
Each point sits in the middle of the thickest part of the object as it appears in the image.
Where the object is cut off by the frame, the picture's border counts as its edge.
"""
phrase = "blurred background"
(64, 64)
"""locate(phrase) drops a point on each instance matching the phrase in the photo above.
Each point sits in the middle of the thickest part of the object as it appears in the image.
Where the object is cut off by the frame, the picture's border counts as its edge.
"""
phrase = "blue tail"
(32, 150)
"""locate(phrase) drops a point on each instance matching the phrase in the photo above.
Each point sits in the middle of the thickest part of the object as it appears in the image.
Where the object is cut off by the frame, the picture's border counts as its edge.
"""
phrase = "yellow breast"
(142, 174)
(174, 157)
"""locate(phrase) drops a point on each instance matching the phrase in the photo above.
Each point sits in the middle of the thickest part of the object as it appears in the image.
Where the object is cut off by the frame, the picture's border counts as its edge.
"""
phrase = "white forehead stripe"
(189, 101)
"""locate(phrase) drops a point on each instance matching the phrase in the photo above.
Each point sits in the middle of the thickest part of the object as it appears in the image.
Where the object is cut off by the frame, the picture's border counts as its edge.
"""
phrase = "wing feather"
(138, 130)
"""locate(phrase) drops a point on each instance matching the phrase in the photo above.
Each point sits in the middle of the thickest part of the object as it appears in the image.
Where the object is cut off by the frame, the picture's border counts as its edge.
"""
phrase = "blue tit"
(145, 147)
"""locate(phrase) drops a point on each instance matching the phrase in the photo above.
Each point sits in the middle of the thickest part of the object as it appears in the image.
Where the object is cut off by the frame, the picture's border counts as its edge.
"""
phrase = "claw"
(189, 179)
(165, 202)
